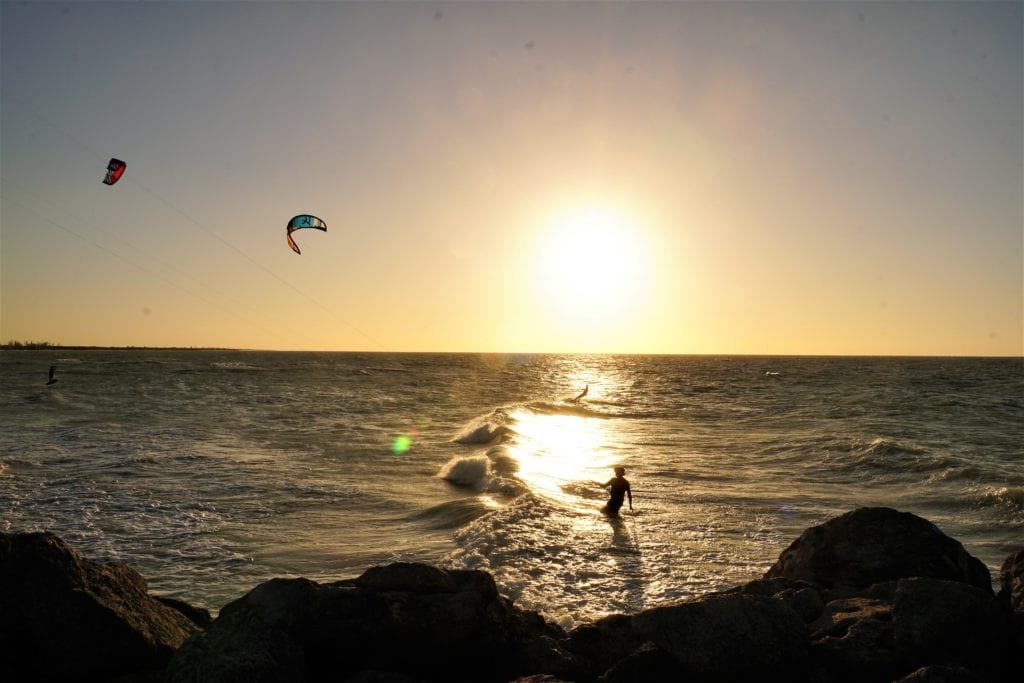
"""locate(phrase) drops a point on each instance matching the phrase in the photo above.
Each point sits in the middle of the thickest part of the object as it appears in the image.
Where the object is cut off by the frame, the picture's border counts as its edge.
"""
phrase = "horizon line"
(43, 346)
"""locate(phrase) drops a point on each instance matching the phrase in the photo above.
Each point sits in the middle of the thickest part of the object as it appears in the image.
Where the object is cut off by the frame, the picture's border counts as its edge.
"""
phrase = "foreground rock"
(64, 617)
(1011, 596)
(412, 621)
(832, 609)
(897, 596)
(872, 545)
(721, 637)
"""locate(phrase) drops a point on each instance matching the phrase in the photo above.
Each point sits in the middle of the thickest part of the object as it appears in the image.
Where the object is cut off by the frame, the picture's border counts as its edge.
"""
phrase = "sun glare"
(561, 455)
(591, 266)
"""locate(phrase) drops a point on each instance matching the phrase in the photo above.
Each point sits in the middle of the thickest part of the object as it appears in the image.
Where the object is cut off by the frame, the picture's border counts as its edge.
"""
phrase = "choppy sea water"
(211, 471)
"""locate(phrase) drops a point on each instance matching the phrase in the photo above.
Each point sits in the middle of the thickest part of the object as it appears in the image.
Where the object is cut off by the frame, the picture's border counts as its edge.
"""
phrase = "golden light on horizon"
(592, 267)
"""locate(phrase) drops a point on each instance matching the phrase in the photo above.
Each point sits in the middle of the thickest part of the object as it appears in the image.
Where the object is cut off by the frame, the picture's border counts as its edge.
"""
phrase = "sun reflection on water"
(563, 456)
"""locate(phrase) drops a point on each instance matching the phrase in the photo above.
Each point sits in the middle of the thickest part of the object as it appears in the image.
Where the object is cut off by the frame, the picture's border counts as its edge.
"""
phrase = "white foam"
(467, 471)
(481, 433)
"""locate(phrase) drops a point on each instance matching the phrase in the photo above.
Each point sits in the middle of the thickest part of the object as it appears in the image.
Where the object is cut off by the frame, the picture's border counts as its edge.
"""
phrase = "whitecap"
(467, 471)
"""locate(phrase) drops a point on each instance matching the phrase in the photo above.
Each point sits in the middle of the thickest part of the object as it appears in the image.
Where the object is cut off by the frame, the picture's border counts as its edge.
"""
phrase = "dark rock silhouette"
(894, 628)
(1011, 578)
(408, 619)
(832, 609)
(64, 617)
(872, 545)
(1011, 596)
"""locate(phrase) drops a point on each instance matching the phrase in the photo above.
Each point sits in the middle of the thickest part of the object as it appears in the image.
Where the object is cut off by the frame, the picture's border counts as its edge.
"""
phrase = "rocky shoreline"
(872, 595)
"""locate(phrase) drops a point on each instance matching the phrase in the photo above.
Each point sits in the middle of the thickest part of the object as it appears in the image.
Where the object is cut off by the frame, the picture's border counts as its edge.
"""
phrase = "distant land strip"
(47, 346)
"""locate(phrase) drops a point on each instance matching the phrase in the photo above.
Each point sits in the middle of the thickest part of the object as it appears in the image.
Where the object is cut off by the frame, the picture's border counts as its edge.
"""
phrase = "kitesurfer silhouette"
(53, 369)
(582, 394)
(618, 488)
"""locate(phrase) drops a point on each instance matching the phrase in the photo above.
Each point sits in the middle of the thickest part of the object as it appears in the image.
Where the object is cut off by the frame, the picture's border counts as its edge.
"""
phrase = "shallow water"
(212, 471)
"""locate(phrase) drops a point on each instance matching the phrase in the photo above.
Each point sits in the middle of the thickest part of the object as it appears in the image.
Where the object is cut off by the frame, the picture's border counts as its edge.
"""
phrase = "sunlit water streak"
(213, 471)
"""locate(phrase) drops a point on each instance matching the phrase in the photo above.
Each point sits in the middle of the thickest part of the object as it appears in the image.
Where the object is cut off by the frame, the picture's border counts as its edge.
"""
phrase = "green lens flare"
(402, 444)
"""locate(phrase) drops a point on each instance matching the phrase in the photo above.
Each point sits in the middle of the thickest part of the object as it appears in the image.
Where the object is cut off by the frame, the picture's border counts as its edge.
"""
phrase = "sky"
(665, 178)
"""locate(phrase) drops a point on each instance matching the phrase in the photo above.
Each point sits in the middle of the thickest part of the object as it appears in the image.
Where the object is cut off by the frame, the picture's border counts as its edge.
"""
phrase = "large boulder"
(732, 636)
(893, 629)
(399, 620)
(874, 545)
(1011, 581)
(64, 617)
(729, 637)
(1011, 595)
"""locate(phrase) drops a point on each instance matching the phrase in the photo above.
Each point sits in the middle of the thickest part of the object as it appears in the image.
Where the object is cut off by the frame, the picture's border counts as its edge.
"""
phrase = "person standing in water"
(618, 487)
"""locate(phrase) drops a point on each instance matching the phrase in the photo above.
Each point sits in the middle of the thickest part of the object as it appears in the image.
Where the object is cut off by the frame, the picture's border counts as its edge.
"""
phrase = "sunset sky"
(763, 178)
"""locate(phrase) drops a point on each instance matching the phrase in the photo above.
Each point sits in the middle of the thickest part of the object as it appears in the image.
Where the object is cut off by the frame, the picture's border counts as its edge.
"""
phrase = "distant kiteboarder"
(582, 394)
(618, 488)
(53, 369)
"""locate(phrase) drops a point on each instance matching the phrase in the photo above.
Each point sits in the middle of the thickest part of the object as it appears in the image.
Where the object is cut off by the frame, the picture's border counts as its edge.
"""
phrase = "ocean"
(212, 471)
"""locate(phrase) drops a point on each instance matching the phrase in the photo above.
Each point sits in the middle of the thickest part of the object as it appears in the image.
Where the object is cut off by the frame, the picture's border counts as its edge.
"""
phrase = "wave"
(584, 490)
(502, 462)
(48, 395)
(889, 454)
(453, 514)
(483, 434)
(233, 366)
(888, 447)
(1008, 497)
(467, 471)
(485, 429)
(490, 472)
(498, 426)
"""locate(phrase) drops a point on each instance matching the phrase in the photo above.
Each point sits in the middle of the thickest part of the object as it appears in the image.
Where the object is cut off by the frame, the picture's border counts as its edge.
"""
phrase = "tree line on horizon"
(29, 345)
(43, 345)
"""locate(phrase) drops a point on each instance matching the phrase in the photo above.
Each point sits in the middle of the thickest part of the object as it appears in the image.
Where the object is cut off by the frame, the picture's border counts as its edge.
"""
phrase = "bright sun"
(592, 266)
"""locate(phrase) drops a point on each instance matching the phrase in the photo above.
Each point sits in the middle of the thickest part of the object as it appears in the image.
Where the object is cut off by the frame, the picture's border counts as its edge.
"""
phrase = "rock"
(873, 595)
(942, 674)
(873, 545)
(947, 622)
(802, 597)
(1011, 581)
(407, 576)
(729, 637)
(647, 663)
(725, 636)
(852, 641)
(403, 620)
(239, 647)
(197, 615)
(604, 643)
(65, 617)
(1011, 596)
(906, 625)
